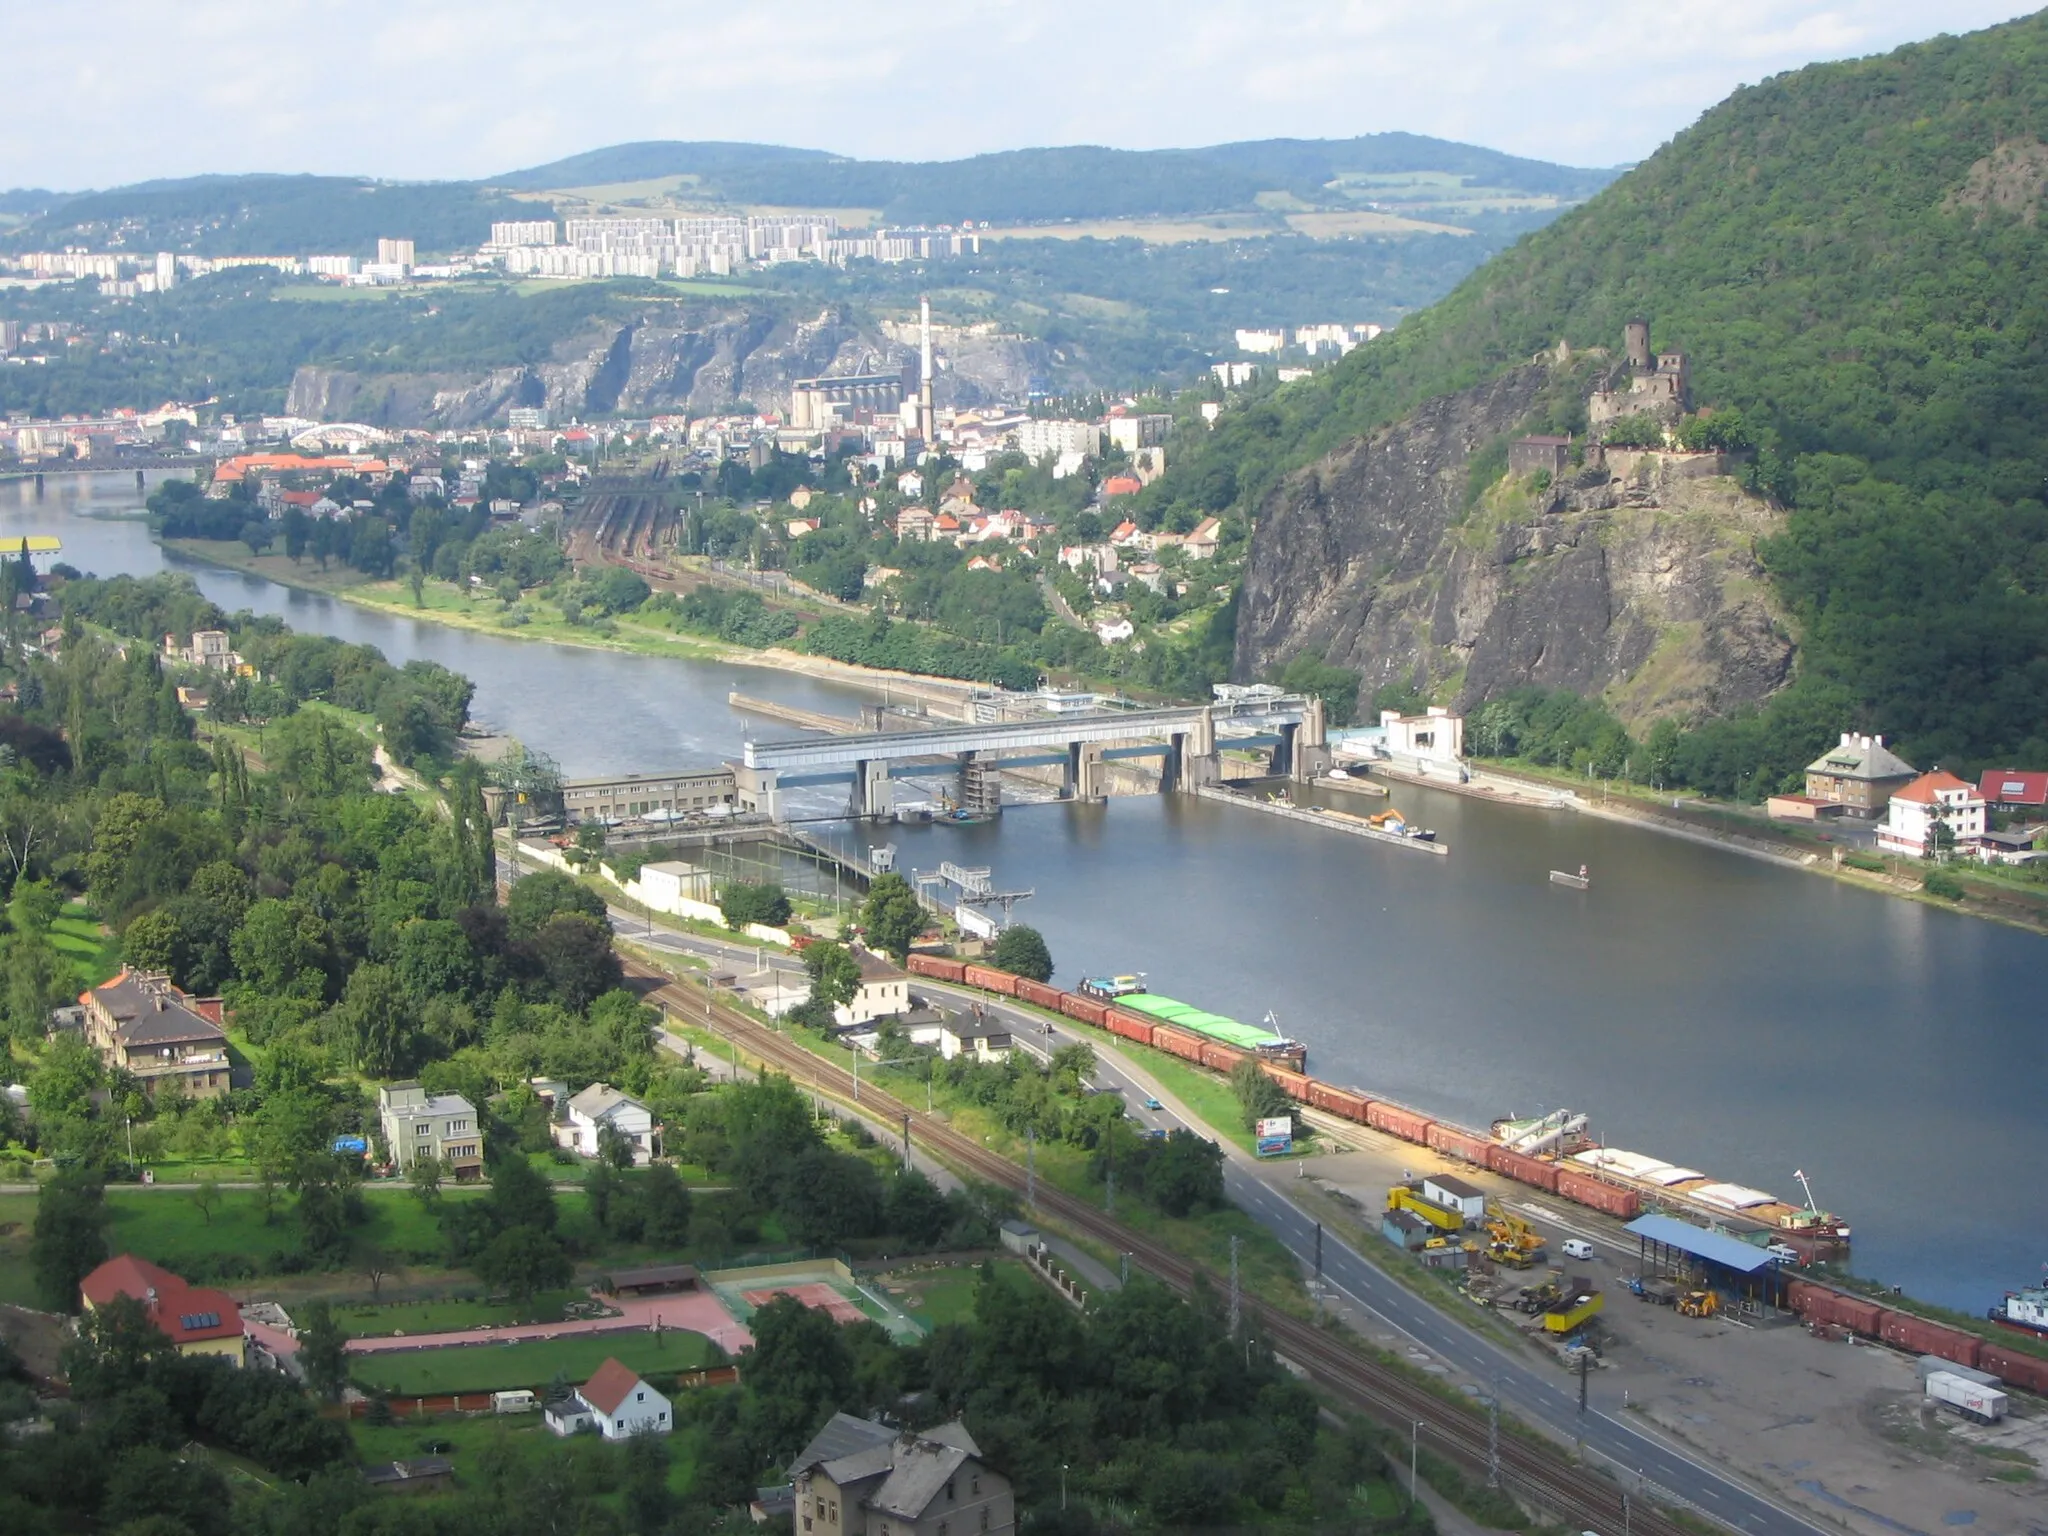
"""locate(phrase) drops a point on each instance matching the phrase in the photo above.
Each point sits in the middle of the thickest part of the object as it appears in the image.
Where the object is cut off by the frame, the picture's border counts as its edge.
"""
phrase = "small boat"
(1582, 881)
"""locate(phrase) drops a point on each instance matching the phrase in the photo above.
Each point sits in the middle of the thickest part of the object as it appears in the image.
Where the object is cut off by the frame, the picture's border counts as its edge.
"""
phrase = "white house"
(884, 990)
(616, 1403)
(984, 1039)
(1934, 799)
(587, 1114)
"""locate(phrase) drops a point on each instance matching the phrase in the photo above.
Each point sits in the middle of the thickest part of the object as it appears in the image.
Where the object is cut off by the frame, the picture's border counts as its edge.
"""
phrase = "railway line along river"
(1703, 1007)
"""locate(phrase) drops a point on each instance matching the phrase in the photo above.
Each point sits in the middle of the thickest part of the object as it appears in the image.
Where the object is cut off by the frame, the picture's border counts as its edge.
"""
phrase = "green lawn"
(946, 1295)
(76, 934)
(505, 1367)
(464, 1440)
(412, 1317)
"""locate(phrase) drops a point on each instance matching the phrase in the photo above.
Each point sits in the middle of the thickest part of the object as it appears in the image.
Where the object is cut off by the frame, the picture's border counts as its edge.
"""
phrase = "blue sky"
(463, 88)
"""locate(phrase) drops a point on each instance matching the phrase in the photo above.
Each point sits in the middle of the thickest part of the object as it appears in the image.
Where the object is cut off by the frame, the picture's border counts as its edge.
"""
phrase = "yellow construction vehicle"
(1409, 1197)
(1699, 1304)
(1572, 1311)
(1511, 1240)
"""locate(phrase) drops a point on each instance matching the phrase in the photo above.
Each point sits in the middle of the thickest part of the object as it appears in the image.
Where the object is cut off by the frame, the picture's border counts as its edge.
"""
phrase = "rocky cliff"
(1637, 581)
(655, 364)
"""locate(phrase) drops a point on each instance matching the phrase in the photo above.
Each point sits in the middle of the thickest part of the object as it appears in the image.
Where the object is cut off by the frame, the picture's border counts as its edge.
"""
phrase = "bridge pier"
(1091, 772)
(1195, 761)
(138, 479)
(874, 793)
(1070, 773)
(39, 485)
(1310, 744)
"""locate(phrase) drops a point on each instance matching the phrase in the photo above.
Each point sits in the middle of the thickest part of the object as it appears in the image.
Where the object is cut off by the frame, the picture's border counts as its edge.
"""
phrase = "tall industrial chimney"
(927, 418)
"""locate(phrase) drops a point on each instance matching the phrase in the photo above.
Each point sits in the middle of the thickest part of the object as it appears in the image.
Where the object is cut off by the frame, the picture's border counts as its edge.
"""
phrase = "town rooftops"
(1929, 787)
(1861, 757)
(185, 1313)
(842, 1435)
(965, 1026)
(610, 1387)
(148, 1011)
(2014, 786)
(914, 1468)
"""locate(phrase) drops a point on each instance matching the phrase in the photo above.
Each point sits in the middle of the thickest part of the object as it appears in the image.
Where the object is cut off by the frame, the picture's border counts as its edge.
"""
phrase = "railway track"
(1544, 1475)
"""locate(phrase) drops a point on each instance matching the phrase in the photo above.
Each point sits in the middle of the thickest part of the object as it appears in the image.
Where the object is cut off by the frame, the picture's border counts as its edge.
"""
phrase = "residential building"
(1036, 438)
(524, 232)
(1148, 430)
(984, 1039)
(1202, 542)
(440, 1127)
(1231, 376)
(884, 990)
(616, 1403)
(1860, 775)
(586, 1116)
(1935, 799)
(395, 253)
(1114, 631)
(1121, 485)
(145, 1026)
(1550, 454)
(210, 648)
(860, 1478)
(198, 1320)
(1261, 341)
(914, 525)
(2014, 789)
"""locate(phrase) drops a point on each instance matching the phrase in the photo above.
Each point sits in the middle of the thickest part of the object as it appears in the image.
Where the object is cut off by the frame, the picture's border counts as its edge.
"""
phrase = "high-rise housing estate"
(524, 232)
(166, 270)
(394, 253)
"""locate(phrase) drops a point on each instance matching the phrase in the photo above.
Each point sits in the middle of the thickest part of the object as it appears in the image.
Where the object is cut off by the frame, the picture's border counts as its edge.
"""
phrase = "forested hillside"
(1851, 254)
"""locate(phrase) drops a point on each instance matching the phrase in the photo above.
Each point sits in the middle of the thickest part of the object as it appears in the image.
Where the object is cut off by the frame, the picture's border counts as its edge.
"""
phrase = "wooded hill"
(1852, 256)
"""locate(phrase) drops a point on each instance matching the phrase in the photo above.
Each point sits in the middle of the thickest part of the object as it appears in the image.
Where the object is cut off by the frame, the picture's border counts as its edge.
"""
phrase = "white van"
(1577, 1248)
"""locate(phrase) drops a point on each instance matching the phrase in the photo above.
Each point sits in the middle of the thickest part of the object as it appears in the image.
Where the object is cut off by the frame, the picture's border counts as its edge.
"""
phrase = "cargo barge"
(1130, 992)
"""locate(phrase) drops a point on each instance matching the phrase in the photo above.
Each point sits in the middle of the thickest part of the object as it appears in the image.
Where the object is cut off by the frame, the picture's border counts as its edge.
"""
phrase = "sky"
(465, 88)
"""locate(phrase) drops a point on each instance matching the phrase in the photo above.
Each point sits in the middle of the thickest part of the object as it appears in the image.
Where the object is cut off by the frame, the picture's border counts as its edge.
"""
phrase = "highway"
(1543, 1396)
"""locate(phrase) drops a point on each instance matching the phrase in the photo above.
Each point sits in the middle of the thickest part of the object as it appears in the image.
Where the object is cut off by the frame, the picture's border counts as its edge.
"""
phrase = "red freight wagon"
(1925, 1337)
(1863, 1316)
(1799, 1296)
(1086, 1009)
(2014, 1368)
(1181, 1043)
(991, 980)
(1526, 1170)
(1038, 992)
(937, 965)
(1344, 1103)
(1219, 1057)
(1396, 1121)
(1453, 1142)
(1611, 1198)
(1131, 1026)
(1294, 1082)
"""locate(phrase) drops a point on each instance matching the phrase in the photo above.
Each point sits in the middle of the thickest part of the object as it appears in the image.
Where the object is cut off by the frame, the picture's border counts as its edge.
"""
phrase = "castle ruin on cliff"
(1657, 385)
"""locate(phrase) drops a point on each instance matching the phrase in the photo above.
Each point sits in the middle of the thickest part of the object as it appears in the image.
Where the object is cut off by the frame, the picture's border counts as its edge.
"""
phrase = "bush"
(1021, 951)
(1943, 883)
(741, 903)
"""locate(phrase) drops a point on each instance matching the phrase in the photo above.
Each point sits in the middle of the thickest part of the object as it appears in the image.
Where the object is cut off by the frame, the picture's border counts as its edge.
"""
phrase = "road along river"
(1704, 1007)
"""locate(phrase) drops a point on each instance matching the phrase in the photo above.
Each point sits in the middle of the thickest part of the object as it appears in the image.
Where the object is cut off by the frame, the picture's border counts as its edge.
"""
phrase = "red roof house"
(198, 1319)
(1121, 485)
(2013, 786)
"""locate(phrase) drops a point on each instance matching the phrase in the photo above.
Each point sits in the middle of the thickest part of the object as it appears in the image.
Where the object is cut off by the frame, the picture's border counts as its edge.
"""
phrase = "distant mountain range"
(291, 214)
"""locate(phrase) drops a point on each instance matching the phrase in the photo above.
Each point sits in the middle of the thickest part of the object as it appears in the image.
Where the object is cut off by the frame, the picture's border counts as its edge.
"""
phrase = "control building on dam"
(1188, 742)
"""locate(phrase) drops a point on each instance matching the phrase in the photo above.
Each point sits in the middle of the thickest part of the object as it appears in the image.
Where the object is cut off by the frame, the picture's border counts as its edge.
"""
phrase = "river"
(1705, 1007)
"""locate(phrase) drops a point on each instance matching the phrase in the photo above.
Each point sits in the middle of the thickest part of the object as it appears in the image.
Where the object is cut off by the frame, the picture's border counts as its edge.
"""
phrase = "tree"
(1185, 1174)
(575, 954)
(1021, 951)
(38, 979)
(70, 1239)
(519, 1196)
(892, 916)
(206, 1198)
(1258, 1096)
(916, 1210)
(835, 974)
(741, 903)
(323, 1350)
(801, 1369)
(1337, 687)
(377, 1020)
(523, 1261)
(425, 1177)
(545, 894)
(662, 1205)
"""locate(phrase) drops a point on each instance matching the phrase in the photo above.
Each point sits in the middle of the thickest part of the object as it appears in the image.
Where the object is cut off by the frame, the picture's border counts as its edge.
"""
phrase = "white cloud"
(469, 87)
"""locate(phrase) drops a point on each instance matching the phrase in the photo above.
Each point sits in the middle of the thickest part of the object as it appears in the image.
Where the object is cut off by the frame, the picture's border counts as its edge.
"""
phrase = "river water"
(1701, 1006)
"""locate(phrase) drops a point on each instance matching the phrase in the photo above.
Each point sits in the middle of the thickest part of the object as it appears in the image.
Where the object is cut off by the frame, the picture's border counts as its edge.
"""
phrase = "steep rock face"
(1637, 581)
(655, 365)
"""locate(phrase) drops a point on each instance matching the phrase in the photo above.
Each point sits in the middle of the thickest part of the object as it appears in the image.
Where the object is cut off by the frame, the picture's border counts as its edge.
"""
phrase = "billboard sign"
(1276, 1136)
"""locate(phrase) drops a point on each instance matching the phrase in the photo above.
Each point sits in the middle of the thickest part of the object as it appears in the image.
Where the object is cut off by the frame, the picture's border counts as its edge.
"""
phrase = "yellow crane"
(1511, 1240)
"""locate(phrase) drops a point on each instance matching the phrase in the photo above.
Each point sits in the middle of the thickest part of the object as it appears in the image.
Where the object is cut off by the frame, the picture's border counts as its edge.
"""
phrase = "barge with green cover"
(1129, 992)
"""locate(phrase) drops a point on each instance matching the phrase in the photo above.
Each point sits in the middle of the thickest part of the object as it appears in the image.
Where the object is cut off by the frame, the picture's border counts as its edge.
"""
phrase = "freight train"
(1809, 1299)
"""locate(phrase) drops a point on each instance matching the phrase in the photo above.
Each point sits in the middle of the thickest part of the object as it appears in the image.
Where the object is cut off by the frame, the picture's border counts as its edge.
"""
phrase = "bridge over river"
(1188, 739)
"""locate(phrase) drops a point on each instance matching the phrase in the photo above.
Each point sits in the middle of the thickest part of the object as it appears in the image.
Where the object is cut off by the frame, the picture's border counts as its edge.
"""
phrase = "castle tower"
(1636, 336)
(927, 418)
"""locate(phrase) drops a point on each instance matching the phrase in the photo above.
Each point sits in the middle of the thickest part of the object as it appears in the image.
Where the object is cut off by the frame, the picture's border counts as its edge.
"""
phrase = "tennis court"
(825, 1284)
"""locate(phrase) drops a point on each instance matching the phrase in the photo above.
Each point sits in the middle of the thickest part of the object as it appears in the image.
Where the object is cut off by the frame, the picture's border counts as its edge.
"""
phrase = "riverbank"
(1989, 893)
(442, 602)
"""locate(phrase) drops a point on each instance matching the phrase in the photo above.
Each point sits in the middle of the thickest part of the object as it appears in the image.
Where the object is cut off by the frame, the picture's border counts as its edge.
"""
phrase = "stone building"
(142, 1024)
(859, 1478)
(1658, 384)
